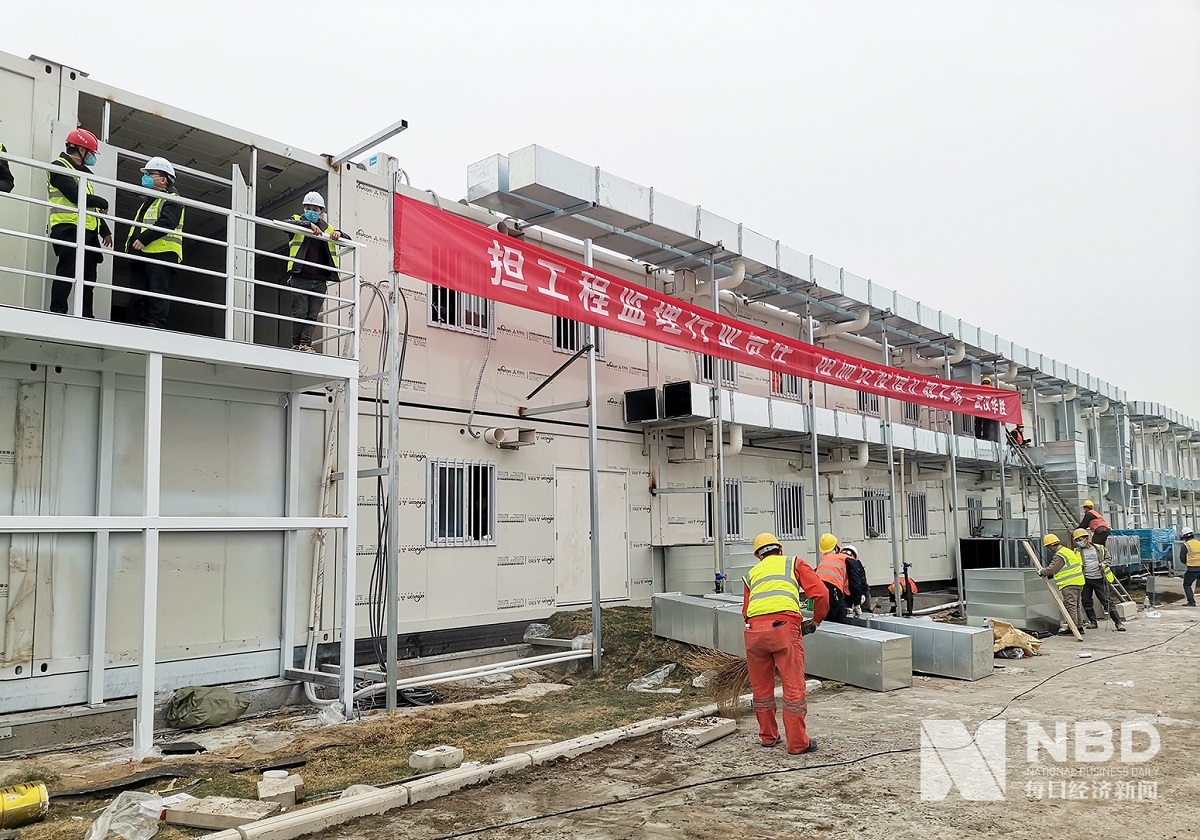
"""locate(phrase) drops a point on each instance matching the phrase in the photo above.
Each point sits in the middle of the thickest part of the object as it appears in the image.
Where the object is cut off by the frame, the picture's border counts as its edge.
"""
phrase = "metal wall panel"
(860, 656)
(1018, 596)
(945, 650)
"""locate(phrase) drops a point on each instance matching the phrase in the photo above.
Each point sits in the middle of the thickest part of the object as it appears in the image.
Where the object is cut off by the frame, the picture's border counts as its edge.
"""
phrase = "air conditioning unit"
(642, 405)
(685, 401)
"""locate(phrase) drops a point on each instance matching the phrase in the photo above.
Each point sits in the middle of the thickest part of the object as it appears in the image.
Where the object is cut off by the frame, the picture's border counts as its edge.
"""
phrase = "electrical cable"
(479, 382)
(741, 777)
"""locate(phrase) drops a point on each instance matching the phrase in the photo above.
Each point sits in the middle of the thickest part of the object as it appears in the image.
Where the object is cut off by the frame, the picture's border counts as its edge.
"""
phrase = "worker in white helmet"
(312, 266)
(156, 242)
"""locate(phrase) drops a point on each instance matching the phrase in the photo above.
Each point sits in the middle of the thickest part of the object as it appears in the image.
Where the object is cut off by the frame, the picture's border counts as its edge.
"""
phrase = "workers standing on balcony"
(1066, 568)
(320, 248)
(986, 429)
(831, 569)
(1096, 577)
(1095, 523)
(775, 626)
(79, 154)
(164, 246)
(856, 573)
(7, 182)
(1189, 555)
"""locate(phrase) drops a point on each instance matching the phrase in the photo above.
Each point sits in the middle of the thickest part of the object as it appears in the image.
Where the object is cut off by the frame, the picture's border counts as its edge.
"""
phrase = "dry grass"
(728, 677)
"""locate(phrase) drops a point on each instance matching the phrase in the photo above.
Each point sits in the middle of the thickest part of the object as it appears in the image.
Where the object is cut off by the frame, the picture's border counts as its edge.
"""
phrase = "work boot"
(1065, 632)
(811, 748)
(1120, 628)
(1092, 625)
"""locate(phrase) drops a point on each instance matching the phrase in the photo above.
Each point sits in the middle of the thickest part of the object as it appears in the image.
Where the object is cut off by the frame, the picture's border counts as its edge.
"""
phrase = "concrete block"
(525, 746)
(699, 732)
(437, 758)
(450, 781)
(316, 819)
(219, 812)
(575, 746)
(1127, 610)
(287, 791)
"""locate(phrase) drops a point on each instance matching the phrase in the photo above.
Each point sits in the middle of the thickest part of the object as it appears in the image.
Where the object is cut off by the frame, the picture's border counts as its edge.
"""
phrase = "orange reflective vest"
(1097, 521)
(832, 570)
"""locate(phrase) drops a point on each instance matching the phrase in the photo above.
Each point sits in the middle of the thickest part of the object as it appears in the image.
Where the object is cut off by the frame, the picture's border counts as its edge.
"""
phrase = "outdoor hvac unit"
(686, 401)
(642, 405)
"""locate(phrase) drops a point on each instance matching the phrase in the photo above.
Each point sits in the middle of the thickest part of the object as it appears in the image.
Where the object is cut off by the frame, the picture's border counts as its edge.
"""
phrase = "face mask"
(90, 160)
(1080, 543)
(312, 216)
(147, 180)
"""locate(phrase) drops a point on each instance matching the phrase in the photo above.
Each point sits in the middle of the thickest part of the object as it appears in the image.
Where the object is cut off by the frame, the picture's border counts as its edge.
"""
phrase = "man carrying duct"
(774, 627)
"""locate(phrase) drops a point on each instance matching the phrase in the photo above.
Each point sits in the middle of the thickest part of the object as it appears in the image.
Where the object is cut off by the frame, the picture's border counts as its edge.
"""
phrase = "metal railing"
(337, 322)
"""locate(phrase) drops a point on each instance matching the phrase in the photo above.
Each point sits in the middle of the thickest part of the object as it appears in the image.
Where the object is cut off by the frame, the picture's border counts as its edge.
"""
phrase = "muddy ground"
(865, 782)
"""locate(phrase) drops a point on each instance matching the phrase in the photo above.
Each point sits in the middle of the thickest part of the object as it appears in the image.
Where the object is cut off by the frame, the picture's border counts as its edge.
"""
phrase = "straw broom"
(729, 680)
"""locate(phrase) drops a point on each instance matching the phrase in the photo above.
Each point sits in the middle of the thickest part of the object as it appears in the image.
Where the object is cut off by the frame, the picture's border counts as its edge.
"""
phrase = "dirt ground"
(865, 782)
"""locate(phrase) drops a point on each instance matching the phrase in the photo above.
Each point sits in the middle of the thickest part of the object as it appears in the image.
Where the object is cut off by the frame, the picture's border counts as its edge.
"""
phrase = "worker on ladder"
(1189, 555)
(774, 631)
(833, 572)
(1066, 568)
(1097, 576)
(1095, 523)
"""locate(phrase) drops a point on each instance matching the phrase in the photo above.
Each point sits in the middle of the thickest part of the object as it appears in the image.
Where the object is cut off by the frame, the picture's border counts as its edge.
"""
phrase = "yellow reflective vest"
(1193, 552)
(66, 213)
(298, 240)
(168, 243)
(1071, 574)
(772, 586)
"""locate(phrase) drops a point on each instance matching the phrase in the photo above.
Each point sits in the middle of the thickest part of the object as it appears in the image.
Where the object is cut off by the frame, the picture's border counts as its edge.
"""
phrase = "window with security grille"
(571, 336)
(789, 510)
(974, 514)
(729, 371)
(918, 514)
(868, 403)
(785, 385)
(462, 503)
(733, 509)
(912, 413)
(875, 518)
(454, 310)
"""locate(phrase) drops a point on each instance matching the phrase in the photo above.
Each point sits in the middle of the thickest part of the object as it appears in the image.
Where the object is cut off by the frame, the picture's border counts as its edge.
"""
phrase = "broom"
(729, 678)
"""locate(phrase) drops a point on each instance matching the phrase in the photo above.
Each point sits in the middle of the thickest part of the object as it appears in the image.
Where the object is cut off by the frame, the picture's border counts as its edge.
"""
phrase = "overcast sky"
(1032, 167)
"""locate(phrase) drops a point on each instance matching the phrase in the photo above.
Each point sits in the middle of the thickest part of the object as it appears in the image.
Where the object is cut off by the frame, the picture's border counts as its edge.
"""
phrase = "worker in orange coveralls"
(774, 627)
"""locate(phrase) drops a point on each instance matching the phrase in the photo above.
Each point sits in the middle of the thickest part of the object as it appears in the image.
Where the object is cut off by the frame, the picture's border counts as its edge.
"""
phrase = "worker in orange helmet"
(832, 569)
(79, 154)
(774, 629)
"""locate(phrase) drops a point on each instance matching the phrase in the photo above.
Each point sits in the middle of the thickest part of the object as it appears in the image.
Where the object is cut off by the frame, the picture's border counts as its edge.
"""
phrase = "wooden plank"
(1053, 587)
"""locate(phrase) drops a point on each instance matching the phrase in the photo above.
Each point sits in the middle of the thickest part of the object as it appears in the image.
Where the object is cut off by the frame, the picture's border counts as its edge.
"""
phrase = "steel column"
(143, 736)
(291, 506)
(392, 560)
(1001, 444)
(897, 573)
(104, 467)
(349, 505)
(952, 506)
(718, 465)
(816, 467)
(593, 477)
(80, 256)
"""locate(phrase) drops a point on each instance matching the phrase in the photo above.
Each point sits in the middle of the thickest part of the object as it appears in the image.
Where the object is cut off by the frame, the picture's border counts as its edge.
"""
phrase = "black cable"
(741, 777)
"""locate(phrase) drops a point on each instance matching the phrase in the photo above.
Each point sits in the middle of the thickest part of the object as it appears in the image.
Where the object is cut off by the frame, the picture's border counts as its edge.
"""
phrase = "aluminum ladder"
(1136, 511)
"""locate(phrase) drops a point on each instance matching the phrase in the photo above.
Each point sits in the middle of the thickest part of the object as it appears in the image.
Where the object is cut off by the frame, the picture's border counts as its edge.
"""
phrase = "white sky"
(1032, 166)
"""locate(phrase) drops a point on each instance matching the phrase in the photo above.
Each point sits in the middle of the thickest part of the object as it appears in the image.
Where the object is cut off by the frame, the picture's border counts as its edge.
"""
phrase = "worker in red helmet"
(771, 602)
(79, 154)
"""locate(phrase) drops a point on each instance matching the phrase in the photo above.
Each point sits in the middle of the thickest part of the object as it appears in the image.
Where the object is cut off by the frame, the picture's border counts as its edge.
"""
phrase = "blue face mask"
(147, 180)
(1081, 543)
(312, 216)
(90, 160)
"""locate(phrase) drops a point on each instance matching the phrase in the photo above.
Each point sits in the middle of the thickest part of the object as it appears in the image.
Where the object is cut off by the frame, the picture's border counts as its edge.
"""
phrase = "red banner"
(449, 251)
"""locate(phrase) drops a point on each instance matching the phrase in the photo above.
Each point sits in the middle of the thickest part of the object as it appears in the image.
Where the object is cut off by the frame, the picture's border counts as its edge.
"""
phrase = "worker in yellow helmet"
(833, 570)
(774, 628)
(1094, 522)
(1066, 568)
(1097, 575)
(1189, 555)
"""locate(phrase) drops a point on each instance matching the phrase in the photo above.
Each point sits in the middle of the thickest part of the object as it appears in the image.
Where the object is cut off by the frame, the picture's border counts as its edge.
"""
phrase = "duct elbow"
(827, 330)
(735, 439)
(960, 353)
(733, 280)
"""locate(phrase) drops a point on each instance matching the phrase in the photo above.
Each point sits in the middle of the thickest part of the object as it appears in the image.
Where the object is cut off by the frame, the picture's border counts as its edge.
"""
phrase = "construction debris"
(526, 746)
(281, 787)
(217, 812)
(699, 732)
(438, 758)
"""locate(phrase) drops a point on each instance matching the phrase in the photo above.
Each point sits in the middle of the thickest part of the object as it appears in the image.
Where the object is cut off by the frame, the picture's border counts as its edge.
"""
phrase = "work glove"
(857, 612)
(808, 626)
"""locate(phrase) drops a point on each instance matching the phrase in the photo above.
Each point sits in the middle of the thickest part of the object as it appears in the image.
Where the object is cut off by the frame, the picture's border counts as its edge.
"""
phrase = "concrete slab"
(699, 732)
(219, 812)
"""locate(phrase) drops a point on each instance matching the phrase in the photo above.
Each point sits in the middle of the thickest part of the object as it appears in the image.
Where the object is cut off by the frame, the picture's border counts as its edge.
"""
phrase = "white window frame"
(789, 510)
(575, 333)
(462, 524)
(729, 370)
(787, 385)
(875, 513)
(912, 412)
(918, 514)
(869, 403)
(735, 519)
(974, 514)
(462, 308)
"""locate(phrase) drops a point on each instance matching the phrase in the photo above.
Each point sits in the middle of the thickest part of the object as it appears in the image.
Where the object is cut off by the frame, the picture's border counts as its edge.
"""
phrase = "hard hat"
(828, 543)
(1187, 534)
(1088, 503)
(314, 198)
(764, 540)
(1050, 539)
(84, 139)
(159, 164)
(986, 380)
(1078, 532)
(851, 550)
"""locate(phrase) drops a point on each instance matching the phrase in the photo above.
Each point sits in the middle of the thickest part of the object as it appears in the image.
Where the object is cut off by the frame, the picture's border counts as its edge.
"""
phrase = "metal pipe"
(393, 502)
(931, 610)
(593, 477)
(104, 471)
(375, 688)
(718, 462)
(1002, 437)
(816, 467)
(469, 671)
(887, 436)
(143, 736)
(349, 505)
(903, 514)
